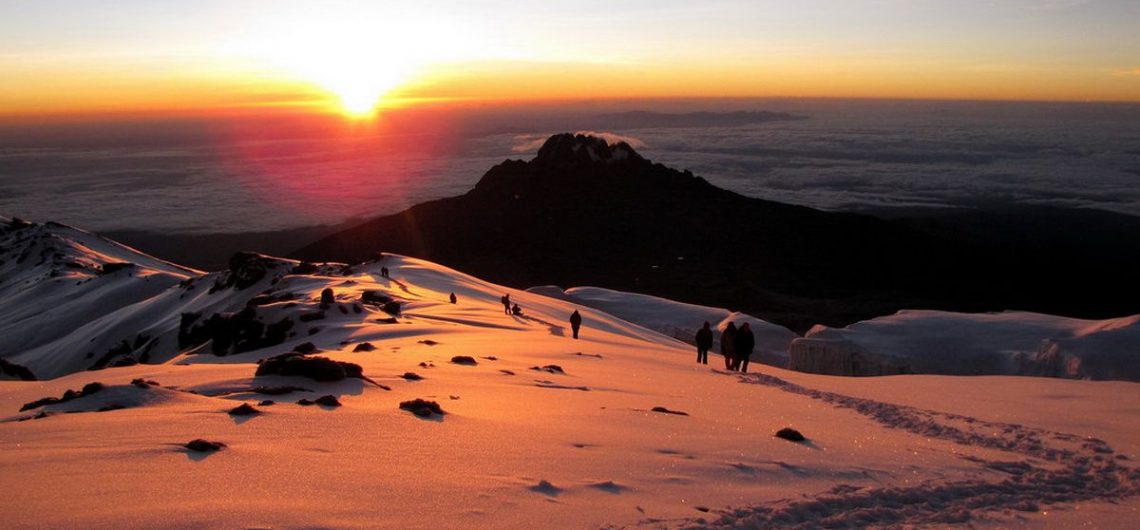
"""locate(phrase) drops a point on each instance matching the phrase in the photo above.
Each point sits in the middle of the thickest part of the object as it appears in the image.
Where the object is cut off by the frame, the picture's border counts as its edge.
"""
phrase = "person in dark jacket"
(452, 298)
(516, 310)
(575, 322)
(728, 345)
(744, 343)
(506, 300)
(704, 343)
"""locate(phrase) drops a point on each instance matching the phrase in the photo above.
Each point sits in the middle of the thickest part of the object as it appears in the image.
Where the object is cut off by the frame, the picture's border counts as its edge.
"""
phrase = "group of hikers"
(736, 345)
(509, 308)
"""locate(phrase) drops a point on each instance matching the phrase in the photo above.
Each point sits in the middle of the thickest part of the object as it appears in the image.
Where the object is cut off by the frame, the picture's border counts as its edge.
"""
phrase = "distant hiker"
(506, 300)
(575, 322)
(728, 345)
(384, 271)
(744, 343)
(516, 310)
(452, 298)
(704, 342)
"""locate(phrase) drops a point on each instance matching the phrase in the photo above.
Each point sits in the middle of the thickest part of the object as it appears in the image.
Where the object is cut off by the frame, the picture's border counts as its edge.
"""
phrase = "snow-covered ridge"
(678, 319)
(1011, 342)
(534, 429)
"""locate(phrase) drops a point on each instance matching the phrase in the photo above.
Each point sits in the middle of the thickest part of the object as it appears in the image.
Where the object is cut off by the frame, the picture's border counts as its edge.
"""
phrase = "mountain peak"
(567, 148)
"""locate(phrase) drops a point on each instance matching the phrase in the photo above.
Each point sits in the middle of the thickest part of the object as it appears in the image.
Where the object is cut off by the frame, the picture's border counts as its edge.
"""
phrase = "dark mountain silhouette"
(583, 212)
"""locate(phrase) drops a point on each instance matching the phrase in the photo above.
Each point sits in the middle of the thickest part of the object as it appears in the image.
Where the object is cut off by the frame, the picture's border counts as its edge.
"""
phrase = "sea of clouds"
(844, 155)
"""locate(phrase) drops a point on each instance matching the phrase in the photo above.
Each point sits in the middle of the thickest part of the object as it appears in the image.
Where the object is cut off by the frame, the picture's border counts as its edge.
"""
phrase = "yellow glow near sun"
(360, 57)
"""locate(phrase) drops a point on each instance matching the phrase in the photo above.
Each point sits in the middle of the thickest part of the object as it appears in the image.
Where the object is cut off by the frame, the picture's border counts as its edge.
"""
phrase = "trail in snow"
(1054, 468)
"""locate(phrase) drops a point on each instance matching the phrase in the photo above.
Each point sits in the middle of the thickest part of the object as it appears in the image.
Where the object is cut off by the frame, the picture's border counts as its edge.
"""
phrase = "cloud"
(1128, 72)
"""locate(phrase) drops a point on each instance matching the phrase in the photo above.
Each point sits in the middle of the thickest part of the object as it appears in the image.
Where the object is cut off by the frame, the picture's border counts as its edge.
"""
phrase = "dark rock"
(265, 402)
(113, 267)
(144, 383)
(364, 346)
(311, 316)
(392, 308)
(412, 376)
(388, 320)
(664, 410)
(14, 370)
(315, 368)
(464, 360)
(304, 268)
(204, 446)
(375, 297)
(328, 401)
(305, 348)
(507, 372)
(790, 434)
(422, 407)
(550, 368)
(327, 297)
(428, 342)
(243, 410)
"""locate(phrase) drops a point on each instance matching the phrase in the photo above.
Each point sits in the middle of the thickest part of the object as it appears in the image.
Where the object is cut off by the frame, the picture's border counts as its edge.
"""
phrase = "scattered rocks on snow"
(204, 446)
(88, 389)
(422, 407)
(327, 400)
(790, 434)
(664, 410)
(425, 364)
(466, 360)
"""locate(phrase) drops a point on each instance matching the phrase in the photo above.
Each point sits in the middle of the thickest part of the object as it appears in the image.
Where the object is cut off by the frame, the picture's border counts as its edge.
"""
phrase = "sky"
(72, 57)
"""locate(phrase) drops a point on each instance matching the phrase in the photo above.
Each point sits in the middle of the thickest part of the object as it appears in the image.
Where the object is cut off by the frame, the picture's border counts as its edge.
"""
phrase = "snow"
(677, 319)
(1011, 342)
(537, 449)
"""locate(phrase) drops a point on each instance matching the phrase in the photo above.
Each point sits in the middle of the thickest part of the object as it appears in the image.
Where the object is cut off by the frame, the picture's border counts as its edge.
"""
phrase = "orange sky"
(212, 56)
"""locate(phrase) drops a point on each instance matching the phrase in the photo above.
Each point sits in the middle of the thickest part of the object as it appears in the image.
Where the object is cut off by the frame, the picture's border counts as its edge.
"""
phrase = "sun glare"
(358, 60)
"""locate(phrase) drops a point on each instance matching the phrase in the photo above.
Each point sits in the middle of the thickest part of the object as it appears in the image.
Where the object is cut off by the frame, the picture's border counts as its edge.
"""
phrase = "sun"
(357, 61)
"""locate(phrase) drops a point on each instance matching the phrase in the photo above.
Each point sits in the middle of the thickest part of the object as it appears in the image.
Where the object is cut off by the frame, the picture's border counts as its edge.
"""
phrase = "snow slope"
(678, 319)
(1012, 342)
(543, 431)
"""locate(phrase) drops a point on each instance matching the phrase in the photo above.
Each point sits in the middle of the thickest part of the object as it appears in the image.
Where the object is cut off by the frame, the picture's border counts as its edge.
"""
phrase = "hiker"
(743, 344)
(728, 345)
(704, 342)
(506, 300)
(575, 322)
(516, 311)
(452, 298)
(384, 271)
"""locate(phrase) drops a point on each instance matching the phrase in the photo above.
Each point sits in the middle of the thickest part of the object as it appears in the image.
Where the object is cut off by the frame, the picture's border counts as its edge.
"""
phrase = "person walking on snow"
(704, 343)
(728, 345)
(452, 298)
(743, 344)
(506, 300)
(575, 322)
